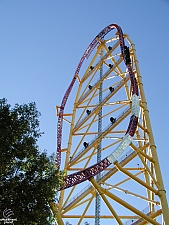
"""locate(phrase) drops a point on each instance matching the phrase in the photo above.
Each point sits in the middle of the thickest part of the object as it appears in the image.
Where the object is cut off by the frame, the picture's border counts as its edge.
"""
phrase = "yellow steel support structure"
(131, 189)
(161, 190)
(120, 201)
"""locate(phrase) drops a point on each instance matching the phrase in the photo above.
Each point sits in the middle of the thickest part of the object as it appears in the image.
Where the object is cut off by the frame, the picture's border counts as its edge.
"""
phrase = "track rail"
(93, 170)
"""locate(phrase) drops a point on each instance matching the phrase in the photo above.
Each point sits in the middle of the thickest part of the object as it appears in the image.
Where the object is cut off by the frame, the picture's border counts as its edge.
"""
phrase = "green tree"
(29, 178)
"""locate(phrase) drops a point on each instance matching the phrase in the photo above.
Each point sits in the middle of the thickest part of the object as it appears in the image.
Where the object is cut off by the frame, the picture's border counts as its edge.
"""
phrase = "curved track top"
(93, 170)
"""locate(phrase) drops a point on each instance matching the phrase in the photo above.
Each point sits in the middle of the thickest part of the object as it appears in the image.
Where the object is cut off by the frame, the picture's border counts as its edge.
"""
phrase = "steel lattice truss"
(130, 183)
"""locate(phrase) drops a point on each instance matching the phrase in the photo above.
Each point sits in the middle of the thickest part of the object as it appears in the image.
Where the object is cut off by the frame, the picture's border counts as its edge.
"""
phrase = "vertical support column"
(98, 188)
(56, 212)
(162, 192)
(98, 199)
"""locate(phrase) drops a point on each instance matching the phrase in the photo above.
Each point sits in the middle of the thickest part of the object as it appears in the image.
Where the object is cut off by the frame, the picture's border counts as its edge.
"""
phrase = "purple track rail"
(78, 177)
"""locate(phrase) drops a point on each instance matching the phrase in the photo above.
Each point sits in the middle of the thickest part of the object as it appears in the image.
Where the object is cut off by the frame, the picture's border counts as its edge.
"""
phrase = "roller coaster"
(112, 169)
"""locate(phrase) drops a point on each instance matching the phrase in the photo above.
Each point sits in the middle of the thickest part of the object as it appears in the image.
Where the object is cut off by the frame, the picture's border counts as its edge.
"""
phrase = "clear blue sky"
(42, 41)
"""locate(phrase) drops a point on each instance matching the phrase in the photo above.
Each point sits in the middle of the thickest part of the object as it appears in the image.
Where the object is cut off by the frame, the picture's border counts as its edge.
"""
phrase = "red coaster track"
(93, 170)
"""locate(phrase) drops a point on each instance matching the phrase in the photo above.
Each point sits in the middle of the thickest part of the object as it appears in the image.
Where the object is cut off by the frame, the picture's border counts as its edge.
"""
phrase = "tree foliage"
(28, 178)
